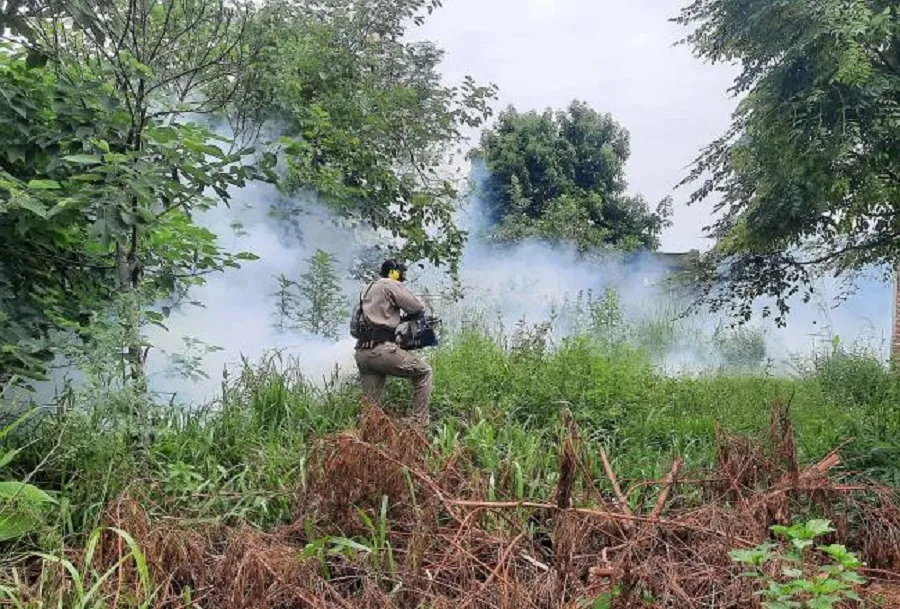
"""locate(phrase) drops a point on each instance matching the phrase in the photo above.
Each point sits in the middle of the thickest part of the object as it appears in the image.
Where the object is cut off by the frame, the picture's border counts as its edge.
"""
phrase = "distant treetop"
(560, 176)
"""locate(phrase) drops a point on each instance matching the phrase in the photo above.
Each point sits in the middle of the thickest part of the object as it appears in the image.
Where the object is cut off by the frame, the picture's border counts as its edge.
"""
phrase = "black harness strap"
(373, 335)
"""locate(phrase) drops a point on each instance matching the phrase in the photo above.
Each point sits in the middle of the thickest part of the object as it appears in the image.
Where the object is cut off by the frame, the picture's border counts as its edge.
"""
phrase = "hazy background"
(616, 55)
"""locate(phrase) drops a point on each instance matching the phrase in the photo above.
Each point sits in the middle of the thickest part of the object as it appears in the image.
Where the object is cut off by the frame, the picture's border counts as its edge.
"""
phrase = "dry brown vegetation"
(442, 544)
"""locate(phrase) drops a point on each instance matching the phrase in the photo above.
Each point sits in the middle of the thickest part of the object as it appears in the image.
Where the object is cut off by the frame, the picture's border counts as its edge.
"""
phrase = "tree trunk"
(895, 331)
(129, 278)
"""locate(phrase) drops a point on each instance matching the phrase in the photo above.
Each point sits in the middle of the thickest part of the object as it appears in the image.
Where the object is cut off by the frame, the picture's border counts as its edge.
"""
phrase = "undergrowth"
(498, 396)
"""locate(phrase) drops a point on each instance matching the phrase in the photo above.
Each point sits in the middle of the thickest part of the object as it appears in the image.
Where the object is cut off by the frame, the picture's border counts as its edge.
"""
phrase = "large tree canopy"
(106, 108)
(560, 176)
(809, 172)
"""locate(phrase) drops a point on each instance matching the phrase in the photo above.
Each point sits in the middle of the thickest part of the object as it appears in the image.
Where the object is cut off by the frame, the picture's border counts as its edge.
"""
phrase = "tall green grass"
(499, 394)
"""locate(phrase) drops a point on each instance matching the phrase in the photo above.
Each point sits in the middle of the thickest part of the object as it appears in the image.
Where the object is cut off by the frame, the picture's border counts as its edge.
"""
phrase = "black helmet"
(393, 265)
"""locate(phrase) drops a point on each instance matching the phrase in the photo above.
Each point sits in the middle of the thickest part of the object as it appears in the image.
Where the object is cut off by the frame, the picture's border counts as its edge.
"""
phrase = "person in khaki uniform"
(384, 302)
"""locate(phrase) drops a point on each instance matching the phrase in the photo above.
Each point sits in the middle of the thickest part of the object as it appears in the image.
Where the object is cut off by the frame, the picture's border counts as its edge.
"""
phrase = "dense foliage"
(808, 172)
(364, 117)
(560, 176)
(123, 121)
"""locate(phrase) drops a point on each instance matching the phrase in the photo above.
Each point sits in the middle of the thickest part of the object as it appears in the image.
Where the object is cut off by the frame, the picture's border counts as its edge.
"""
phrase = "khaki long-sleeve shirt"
(387, 300)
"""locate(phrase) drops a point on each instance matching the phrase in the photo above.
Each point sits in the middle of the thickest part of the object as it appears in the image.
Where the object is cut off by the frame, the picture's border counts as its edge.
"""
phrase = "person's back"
(384, 302)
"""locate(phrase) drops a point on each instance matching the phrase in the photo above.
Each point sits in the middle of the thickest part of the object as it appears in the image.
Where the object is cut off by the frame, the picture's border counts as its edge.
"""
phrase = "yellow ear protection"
(392, 269)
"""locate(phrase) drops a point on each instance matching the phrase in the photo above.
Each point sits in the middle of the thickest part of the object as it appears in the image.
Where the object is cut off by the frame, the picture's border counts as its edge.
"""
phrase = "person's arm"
(406, 300)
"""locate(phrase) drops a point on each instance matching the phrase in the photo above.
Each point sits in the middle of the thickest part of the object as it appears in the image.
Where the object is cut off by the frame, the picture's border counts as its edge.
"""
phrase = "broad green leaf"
(115, 157)
(835, 550)
(819, 527)
(24, 491)
(101, 144)
(14, 526)
(350, 544)
(87, 177)
(83, 159)
(44, 185)
(33, 205)
(853, 578)
(8, 457)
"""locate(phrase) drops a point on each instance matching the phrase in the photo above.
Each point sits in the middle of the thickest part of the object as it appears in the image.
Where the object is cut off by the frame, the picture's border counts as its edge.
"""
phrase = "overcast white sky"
(618, 56)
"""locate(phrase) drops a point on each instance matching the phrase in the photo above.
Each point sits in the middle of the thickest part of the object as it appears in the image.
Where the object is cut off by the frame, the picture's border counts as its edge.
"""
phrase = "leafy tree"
(315, 302)
(320, 285)
(561, 176)
(364, 119)
(106, 163)
(131, 78)
(809, 171)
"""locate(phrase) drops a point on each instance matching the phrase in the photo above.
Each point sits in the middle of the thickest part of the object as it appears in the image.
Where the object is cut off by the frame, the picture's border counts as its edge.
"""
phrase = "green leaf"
(44, 185)
(33, 205)
(816, 528)
(24, 491)
(853, 578)
(8, 456)
(115, 157)
(19, 420)
(87, 177)
(14, 526)
(801, 544)
(83, 159)
(350, 544)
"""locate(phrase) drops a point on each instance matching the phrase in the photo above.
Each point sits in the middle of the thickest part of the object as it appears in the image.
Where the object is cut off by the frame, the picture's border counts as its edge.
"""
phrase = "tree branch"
(884, 240)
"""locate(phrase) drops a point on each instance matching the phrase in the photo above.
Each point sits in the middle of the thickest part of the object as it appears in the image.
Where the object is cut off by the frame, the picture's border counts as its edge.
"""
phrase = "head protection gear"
(393, 269)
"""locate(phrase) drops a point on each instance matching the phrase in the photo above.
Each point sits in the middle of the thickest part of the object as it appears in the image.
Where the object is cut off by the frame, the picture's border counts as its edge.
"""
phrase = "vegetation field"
(503, 406)
(223, 175)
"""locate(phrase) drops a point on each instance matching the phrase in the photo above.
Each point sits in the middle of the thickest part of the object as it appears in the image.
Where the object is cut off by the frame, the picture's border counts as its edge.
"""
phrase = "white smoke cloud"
(238, 305)
(527, 282)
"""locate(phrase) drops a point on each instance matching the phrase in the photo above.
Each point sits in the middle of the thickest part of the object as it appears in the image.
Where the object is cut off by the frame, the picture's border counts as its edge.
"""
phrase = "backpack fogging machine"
(418, 331)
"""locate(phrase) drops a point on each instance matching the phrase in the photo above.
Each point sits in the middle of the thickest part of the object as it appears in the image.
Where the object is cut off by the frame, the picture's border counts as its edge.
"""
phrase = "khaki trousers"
(388, 359)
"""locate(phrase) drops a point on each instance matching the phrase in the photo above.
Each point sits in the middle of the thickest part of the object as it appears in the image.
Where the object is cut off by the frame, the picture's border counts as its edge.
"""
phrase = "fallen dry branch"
(667, 487)
(446, 546)
(611, 475)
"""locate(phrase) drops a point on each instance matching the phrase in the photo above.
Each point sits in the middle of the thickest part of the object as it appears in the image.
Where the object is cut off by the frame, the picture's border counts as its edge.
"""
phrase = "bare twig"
(664, 493)
(621, 498)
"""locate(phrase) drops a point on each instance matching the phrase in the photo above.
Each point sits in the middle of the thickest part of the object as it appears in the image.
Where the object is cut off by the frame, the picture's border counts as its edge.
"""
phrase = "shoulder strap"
(362, 295)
